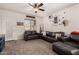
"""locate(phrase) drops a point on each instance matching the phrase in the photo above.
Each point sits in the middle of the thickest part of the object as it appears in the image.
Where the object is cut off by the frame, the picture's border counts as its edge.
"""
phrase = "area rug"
(31, 47)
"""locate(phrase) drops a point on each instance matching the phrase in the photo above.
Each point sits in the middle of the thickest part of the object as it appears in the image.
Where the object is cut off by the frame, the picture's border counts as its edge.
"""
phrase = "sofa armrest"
(65, 39)
(25, 36)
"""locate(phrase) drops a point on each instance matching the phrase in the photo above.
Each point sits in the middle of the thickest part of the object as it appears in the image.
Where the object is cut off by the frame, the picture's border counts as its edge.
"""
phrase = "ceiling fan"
(37, 6)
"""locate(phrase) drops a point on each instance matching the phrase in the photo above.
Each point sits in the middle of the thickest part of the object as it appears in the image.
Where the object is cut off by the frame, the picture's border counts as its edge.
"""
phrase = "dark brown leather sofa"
(29, 35)
(49, 37)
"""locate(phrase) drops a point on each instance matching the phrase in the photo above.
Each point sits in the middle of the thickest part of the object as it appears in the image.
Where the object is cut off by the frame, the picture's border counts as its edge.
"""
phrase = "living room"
(39, 28)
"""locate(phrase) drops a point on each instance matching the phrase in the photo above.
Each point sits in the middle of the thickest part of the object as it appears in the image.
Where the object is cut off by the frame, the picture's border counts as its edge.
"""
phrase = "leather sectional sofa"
(62, 46)
(49, 37)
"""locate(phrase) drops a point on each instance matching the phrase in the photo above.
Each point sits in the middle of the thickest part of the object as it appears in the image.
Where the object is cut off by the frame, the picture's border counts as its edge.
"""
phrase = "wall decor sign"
(59, 19)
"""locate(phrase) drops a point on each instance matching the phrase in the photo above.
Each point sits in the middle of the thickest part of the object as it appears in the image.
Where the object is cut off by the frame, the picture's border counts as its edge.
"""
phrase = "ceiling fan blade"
(41, 9)
(30, 4)
(35, 5)
(41, 4)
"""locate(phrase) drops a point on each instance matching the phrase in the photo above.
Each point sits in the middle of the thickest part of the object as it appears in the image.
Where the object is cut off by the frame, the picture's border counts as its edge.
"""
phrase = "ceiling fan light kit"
(35, 9)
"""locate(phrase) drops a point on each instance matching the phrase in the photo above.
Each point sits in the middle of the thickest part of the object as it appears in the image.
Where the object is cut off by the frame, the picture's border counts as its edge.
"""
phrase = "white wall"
(8, 26)
(39, 22)
(72, 15)
(8, 21)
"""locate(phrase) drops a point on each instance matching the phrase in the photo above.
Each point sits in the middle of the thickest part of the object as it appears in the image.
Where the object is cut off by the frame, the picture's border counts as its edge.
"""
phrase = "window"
(29, 24)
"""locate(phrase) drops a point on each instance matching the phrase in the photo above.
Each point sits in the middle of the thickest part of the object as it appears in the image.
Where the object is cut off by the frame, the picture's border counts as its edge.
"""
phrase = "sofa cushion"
(28, 32)
(48, 33)
(33, 32)
(49, 39)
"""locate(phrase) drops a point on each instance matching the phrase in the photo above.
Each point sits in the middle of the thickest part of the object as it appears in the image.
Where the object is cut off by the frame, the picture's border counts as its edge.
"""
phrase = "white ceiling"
(26, 9)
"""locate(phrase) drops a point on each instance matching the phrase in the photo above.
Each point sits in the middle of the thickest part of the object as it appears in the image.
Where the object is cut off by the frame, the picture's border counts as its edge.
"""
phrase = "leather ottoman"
(72, 44)
(64, 49)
